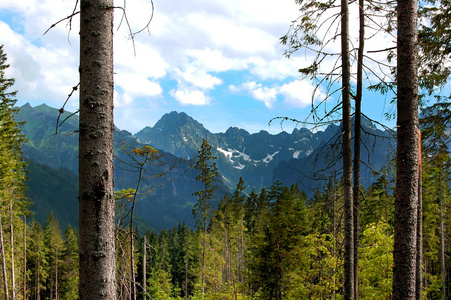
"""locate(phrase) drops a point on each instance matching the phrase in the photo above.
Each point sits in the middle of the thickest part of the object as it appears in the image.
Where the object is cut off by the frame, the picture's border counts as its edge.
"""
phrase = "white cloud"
(198, 78)
(258, 92)
(147, 61)
(190, 97)
(300, 93)
(215, 61)
(225, 33)
(41, 73)
(135, 86)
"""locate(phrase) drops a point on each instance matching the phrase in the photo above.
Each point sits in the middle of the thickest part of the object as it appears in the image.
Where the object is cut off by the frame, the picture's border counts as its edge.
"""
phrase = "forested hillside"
(303, 157)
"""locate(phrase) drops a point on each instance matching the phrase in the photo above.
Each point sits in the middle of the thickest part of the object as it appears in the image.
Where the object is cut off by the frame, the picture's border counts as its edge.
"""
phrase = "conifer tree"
(37, 262)
(54, 250)
(202, 209)
(96, 151)
(13, 202)
(69, 265)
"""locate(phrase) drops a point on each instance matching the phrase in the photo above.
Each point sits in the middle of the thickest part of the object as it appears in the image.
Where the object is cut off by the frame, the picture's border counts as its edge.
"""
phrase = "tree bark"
(2, 245)
(357, 135)
(11, 241)
(145, 268)
(442, 237)
(406, 199)
(24, 257)
(97, 249)
(347, 156)
(419, 283)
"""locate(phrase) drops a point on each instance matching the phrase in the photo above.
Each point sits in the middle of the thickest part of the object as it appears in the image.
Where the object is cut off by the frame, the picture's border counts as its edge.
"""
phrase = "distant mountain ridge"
(259, 158)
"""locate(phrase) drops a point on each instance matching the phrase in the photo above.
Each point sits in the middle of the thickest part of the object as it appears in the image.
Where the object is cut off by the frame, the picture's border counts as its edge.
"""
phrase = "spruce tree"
(12, 175)
(202, 209)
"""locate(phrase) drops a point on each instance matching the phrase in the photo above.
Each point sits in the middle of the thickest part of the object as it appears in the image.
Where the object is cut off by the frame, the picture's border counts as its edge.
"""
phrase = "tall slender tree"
(404, 253)
(202, 209)
(12, 174)
(96, 191)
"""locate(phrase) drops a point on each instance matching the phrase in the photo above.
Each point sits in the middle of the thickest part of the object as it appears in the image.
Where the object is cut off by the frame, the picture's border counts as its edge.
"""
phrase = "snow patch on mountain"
(232, 153)
(270, 157)
(296, 152)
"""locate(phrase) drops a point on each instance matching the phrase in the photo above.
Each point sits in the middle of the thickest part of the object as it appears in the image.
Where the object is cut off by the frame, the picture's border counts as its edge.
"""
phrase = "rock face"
(262, 158)
(302, 157)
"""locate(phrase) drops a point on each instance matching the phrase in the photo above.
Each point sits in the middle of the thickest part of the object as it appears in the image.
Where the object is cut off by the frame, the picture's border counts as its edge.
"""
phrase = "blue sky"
(219, 61)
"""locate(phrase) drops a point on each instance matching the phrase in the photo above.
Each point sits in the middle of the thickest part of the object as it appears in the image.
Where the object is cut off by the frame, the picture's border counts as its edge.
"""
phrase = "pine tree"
(407, 157)
(96, 151)
(202, 209)
(13, 203)
(36, 261)
(54, 249)
(69, 265)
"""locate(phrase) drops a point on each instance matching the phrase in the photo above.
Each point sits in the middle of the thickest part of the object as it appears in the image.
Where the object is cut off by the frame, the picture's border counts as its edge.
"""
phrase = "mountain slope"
(259, 158)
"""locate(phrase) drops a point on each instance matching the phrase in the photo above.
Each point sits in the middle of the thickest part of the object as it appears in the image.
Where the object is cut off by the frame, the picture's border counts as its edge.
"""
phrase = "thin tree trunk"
(334, 198)
(38, 276)
(419, 278)
(357, 135)
(145, 268)
(56, 273)
(2, 246)
(204, 249)
(406, 201)
(96, 191)
(442, 238)
(11, 241)
(347, 156)
(24, 257)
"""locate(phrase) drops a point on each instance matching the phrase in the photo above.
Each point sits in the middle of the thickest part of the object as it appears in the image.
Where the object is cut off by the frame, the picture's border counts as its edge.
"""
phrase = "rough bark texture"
(347, 156)
(405, 246)
(97, 249)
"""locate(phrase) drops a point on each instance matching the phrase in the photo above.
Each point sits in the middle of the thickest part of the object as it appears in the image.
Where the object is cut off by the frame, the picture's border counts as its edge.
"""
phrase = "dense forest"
(273, 244)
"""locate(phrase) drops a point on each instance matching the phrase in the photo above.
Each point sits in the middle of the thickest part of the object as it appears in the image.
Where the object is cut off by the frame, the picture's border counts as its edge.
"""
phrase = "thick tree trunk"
(405, 246)
(97, 249)
(347, 157)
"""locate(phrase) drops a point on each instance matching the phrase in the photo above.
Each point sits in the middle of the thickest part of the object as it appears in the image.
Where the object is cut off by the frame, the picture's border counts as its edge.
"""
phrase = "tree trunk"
(357, 134)
(38, 276)
(442, 238)
(24, 257)
(145, 268)
(347, 157)
(96, 192)
(405, 248)
(56, 273)
(419, 276)
(11, 241)
(2, 246)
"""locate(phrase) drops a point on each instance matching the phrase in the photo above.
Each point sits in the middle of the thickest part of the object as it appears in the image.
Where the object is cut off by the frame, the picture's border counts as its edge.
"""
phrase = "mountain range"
(304, 157)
